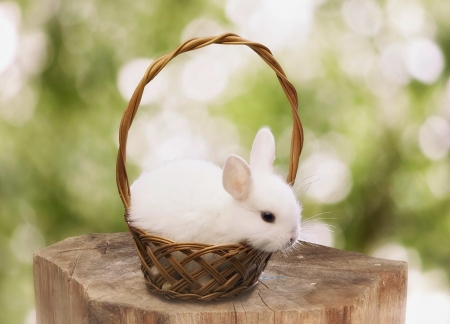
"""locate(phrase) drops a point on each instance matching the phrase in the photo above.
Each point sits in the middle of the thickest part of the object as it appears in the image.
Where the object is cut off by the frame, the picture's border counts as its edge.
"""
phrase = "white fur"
(186, 201)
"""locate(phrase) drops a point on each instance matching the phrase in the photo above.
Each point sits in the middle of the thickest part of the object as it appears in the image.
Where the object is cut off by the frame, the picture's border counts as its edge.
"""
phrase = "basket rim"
(189, 45)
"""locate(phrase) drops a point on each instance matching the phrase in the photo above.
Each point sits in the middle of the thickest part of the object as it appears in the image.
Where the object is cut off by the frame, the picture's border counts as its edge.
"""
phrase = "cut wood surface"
(96, 278)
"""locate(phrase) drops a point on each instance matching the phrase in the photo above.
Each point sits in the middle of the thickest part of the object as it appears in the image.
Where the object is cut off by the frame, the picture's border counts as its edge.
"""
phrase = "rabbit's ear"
(236, 177)
(263, 151)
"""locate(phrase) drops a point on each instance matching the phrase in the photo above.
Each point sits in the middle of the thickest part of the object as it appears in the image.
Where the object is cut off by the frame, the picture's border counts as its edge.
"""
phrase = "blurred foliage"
(57, 167)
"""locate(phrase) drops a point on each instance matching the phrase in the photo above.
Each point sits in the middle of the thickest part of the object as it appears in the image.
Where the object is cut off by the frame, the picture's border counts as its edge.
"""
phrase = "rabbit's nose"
(292, 240)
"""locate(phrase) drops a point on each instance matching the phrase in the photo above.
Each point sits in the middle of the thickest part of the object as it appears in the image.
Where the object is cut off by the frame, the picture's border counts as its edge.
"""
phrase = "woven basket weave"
(234, 268)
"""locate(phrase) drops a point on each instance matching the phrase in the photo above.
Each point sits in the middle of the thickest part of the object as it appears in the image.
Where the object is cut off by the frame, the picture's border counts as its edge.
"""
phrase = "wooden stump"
(96, 278)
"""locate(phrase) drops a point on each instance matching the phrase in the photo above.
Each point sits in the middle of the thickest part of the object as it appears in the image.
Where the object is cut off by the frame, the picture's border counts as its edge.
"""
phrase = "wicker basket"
(235, 268)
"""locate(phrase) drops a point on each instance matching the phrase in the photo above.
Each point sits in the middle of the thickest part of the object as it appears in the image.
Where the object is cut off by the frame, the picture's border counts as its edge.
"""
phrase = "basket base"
(197, 272)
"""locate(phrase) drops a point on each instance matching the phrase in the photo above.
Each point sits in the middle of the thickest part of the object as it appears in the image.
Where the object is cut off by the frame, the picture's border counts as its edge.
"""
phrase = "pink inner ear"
(236, 177)
(240, 186)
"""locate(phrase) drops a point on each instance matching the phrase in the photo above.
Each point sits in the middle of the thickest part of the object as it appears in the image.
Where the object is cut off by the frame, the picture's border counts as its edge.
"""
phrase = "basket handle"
(189, 45)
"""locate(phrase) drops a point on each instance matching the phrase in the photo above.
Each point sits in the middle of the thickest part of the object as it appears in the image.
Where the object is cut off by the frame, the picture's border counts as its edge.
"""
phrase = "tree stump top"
(96, 278)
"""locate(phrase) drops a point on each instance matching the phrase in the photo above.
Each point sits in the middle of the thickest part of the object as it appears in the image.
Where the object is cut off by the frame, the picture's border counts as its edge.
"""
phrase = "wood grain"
(96, 278)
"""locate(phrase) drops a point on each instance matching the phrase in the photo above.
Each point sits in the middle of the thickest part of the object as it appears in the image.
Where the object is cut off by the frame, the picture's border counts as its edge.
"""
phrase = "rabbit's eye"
(268, 217)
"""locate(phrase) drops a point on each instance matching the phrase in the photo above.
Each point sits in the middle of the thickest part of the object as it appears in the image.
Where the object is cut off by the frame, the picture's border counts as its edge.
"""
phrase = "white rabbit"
(196, 201)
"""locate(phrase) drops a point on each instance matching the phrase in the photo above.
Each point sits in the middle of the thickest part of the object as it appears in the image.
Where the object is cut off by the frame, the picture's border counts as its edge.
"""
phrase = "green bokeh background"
(57, 168)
